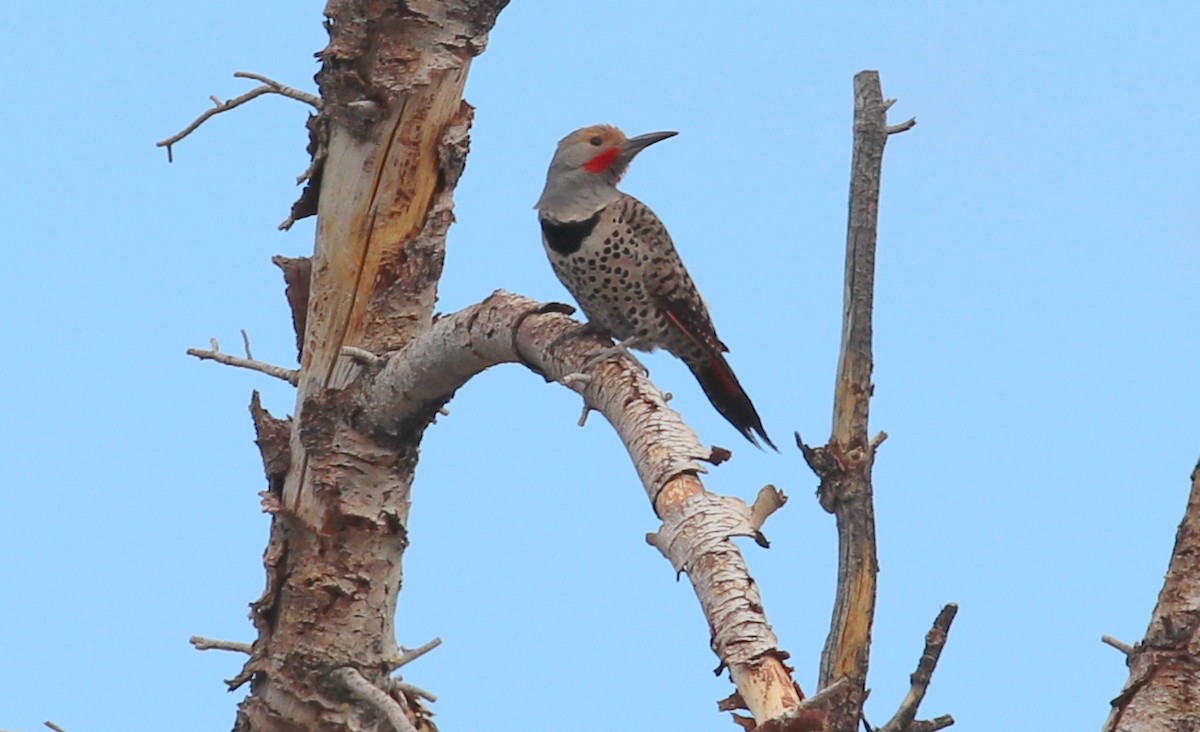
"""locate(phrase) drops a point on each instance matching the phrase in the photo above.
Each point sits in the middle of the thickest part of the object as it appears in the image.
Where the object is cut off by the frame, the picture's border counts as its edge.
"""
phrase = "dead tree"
(1163, 690)
(388, 144)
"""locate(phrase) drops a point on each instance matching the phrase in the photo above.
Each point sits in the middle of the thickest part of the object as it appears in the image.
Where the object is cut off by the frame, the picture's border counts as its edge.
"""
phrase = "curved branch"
(697, 525)
(362, 689)
(269, 86)
(507, 328)
(290, 92)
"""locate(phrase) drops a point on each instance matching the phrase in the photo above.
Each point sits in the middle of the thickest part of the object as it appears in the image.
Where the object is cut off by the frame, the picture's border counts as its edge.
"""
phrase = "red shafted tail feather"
(718, 380)
(726, 394)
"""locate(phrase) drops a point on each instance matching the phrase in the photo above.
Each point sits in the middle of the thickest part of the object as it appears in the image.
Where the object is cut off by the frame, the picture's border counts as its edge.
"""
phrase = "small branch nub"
(210, 644)
(1121, 646)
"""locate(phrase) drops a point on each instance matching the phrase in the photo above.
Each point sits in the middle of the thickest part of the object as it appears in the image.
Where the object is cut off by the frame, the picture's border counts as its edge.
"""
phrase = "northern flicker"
(615, 256)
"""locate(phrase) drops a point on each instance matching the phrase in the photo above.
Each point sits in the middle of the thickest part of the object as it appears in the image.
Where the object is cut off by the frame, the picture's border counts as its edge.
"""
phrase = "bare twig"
(412, 690)
(932, 725)
(411, 654)
(904, 126)
(53, 726)
(209, 644)
(312, 100)
(246, 344)
(935, 641)
(365, 691)
(583, 414)
(291, 376)
(269, 86)
(577, 382)
(1119, 645)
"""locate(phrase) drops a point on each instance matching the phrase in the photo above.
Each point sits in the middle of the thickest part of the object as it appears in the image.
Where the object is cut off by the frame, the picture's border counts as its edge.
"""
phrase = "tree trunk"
(1163, 690)
(388, 147)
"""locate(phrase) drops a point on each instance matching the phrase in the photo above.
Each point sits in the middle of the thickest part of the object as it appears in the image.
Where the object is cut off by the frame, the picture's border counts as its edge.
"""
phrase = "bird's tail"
(726, 394)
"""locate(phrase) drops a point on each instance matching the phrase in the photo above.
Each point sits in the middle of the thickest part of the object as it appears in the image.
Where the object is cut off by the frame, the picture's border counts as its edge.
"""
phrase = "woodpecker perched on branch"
(615, 256)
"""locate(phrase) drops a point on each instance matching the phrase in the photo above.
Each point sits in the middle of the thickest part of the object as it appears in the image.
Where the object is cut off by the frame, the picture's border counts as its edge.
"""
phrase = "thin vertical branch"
(844, 464)
(848, 645)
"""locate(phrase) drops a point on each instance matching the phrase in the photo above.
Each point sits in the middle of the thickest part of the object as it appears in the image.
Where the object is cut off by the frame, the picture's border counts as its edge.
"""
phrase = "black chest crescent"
(566, 238)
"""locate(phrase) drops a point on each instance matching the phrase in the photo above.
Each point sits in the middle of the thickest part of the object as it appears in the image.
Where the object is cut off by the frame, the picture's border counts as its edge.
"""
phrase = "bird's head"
(586, 167)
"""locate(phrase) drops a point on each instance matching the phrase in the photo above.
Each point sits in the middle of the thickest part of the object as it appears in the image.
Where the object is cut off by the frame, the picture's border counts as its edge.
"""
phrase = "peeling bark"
(1163, 690)
(297, 275)
(697, 526)
(388, 146)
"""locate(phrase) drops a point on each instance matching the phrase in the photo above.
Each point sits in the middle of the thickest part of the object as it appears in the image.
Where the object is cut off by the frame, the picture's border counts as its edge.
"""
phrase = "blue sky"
(1035, 342)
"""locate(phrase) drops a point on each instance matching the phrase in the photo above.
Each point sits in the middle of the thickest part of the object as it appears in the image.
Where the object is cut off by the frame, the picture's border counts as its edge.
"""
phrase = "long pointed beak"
(635, 145)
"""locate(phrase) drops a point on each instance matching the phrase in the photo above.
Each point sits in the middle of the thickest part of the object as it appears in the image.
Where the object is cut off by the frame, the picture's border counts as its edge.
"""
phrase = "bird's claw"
(622, 349)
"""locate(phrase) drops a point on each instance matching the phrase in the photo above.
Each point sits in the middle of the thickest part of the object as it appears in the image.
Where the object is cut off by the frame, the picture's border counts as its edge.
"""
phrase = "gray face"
(585, 170)
(582, 179)
(573, 153)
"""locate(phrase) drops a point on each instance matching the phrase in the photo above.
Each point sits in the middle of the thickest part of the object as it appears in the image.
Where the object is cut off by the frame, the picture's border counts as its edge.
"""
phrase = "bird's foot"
(577, 332)
(621, 348)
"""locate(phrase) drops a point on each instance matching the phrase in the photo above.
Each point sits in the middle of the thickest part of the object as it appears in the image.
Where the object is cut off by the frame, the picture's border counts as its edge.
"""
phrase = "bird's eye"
(596, 141)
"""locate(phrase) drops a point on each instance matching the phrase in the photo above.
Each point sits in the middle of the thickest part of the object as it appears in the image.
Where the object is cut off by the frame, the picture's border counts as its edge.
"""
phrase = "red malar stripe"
(603, 161)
